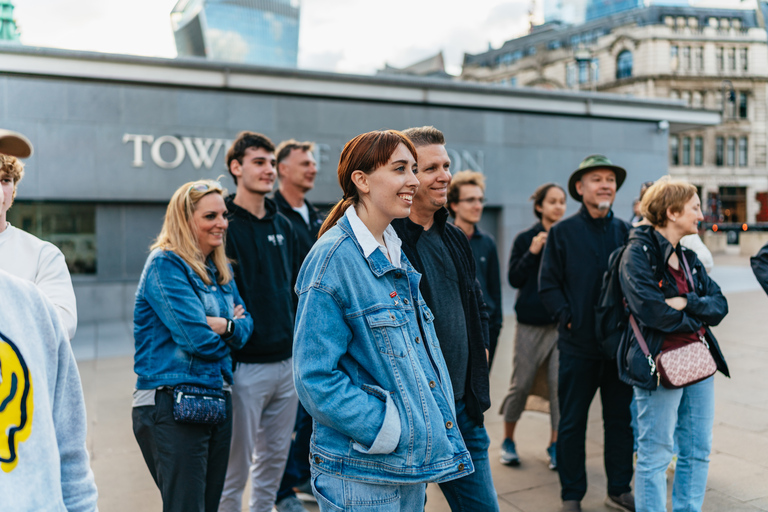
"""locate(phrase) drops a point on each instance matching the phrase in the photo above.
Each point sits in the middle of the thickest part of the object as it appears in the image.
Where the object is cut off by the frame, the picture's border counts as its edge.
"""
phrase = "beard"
(604, 205)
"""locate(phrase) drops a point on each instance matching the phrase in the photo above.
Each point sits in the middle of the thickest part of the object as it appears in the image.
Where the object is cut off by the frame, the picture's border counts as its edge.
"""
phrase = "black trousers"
(188, 462)
(580, 379)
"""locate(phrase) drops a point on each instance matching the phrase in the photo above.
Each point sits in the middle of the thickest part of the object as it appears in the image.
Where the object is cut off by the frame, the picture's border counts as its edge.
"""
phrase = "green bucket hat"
(591, 163)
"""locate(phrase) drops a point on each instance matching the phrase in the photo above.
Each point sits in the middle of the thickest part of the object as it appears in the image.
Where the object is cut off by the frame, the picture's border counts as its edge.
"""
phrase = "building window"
(674, 95)
(674, 60)
(698, 151)
(743, 105)
(686, 151)
(674, 150)
(595, 70)
(583, 71)
(624, 64)
(69, 226)
(554, 45)
(744, 59)
(570, 74)
(719, 151)
(700, 58)
(696, 99)
(742, 152)
(732, 59)
(686, 57)
(731, 153)
(719, 57)
(686, 97)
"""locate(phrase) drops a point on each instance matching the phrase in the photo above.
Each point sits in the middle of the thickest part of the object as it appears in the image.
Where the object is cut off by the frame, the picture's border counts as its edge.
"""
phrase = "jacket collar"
(646, 234)
(284, 204)
(378, 263)
(413, 231)
(269, 205)
(599, 222)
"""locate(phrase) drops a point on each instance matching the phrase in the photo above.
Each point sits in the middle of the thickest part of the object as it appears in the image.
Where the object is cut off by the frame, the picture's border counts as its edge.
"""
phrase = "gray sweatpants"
(535, 345)
(264, 404)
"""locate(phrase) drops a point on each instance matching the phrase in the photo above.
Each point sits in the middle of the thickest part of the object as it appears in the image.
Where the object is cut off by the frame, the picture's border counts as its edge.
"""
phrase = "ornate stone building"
(709, 58)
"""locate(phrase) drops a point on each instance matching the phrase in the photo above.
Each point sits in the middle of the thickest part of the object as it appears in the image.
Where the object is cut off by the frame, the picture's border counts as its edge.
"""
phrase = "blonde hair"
(13, 168)
(665, 194)
(178, 236)
(457, 181)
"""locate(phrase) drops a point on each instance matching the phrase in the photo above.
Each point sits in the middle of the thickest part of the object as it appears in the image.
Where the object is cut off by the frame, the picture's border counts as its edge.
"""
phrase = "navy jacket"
(477, 394)
(488, 275)
(638, 273)
(523, 274)
(575, 259)
(266, 263)
(306, 234)
(759, 264)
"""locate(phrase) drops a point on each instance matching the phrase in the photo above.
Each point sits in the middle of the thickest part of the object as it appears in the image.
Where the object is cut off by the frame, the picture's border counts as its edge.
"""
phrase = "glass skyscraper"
(576, 12)
(263, 32)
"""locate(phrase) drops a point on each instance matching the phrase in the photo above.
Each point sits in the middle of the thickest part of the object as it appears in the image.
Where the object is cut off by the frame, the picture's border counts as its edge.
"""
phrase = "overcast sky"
(350, 36)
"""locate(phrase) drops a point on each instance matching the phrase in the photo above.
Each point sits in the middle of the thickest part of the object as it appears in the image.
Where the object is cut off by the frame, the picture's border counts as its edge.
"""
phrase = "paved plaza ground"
(738, 476)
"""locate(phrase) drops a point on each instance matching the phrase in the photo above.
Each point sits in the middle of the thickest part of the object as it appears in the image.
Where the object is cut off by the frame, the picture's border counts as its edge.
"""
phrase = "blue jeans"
(473, 492)
(692, 409)
(335, 494)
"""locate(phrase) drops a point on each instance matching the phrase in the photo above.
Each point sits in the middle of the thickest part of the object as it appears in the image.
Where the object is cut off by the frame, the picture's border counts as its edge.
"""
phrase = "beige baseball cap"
(14, 144)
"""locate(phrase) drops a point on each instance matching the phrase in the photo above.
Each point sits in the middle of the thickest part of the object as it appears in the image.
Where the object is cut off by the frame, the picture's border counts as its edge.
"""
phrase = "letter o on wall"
(178, 146)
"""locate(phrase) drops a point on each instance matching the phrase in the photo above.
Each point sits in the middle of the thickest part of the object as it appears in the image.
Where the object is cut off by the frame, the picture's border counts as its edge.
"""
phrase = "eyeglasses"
(204, 186)
(472, 200)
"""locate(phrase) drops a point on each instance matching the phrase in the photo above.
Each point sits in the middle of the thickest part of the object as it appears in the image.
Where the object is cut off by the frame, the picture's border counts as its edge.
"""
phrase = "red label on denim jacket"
(393, 294)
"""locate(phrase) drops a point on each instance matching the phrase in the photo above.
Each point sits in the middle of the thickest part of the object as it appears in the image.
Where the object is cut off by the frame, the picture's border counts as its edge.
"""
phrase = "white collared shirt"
(369, 244)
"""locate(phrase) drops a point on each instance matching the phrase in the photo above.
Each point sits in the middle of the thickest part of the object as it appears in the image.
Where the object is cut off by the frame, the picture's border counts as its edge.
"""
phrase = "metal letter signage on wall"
(201, 151)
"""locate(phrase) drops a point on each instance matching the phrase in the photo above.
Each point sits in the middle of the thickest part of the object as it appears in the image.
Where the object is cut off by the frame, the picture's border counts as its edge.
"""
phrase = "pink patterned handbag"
(681, 366)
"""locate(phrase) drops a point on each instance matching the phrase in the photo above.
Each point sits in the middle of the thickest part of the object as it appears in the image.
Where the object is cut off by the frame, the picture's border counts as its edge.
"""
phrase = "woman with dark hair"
(187, 317)
(673, 302)
(367, 364)
(536, 334)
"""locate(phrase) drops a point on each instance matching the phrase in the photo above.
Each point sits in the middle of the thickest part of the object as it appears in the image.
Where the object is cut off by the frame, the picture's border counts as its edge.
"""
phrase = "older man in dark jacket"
(575, 258)
(441, 253)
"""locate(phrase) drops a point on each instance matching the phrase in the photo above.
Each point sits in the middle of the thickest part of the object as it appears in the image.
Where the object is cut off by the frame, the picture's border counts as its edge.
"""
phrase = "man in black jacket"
(575, 258)
(296, 170)
(264, 248)
(441, 253)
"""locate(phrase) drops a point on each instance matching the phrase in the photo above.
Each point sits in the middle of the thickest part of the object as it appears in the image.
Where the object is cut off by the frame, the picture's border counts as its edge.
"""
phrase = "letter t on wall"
(138, 156)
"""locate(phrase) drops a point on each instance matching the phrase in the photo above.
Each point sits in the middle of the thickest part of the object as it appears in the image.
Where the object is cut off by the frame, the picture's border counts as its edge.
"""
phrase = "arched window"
(624, 64)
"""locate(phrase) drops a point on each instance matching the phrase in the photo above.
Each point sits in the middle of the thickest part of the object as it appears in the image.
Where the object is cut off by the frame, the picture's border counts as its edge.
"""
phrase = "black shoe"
(625, 502)
(571, 506)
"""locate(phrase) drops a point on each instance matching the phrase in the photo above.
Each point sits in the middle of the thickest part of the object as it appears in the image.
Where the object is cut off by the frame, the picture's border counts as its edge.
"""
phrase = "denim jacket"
(369, 370)
(174, 344)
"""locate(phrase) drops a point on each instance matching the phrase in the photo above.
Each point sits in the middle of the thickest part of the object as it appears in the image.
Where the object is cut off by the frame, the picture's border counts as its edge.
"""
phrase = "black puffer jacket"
(646, 294)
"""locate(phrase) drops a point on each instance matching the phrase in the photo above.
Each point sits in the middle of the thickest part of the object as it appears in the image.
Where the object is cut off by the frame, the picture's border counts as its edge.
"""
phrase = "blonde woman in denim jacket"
(187, 317)
(367, 363)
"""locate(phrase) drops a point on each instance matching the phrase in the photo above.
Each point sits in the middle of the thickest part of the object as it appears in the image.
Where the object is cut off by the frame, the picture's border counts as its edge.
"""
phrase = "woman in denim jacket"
(188, 314)
(367, 364)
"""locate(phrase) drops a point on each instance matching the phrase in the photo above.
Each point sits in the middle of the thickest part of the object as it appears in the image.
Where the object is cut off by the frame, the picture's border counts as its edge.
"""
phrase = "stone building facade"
(714, 59)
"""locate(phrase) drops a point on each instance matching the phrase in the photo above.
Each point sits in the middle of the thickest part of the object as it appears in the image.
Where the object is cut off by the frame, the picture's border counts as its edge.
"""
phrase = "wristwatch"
(230, 330)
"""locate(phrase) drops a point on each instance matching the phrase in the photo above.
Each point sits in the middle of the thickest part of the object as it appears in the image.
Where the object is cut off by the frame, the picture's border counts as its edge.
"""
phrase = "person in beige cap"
(24, 255)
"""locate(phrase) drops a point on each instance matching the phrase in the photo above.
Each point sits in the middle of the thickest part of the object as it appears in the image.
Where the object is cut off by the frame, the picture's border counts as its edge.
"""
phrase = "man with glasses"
(264, 247)
(466, 199)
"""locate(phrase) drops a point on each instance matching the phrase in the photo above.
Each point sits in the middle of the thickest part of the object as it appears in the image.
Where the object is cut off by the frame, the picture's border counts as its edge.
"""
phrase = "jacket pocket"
(428, 319)
(207, 296)
(390, 327)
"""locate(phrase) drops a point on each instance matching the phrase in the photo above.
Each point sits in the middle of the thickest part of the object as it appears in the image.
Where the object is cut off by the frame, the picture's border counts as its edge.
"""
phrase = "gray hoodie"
(43, 459)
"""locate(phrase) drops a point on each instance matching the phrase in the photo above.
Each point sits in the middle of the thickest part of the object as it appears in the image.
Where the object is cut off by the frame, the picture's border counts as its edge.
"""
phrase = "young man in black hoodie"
(574, 261)
(264, 248)
(296, 170)
(441, 253)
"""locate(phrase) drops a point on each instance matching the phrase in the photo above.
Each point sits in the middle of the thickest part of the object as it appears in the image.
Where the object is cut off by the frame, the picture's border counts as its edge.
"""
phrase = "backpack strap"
(688, 271)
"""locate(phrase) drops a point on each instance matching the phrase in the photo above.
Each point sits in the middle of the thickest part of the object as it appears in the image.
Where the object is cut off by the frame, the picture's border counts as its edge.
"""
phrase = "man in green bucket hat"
(575, 258)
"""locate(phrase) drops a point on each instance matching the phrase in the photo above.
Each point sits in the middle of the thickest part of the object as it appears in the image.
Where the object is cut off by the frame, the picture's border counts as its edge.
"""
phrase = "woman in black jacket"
(670, 314)
(536, 334)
